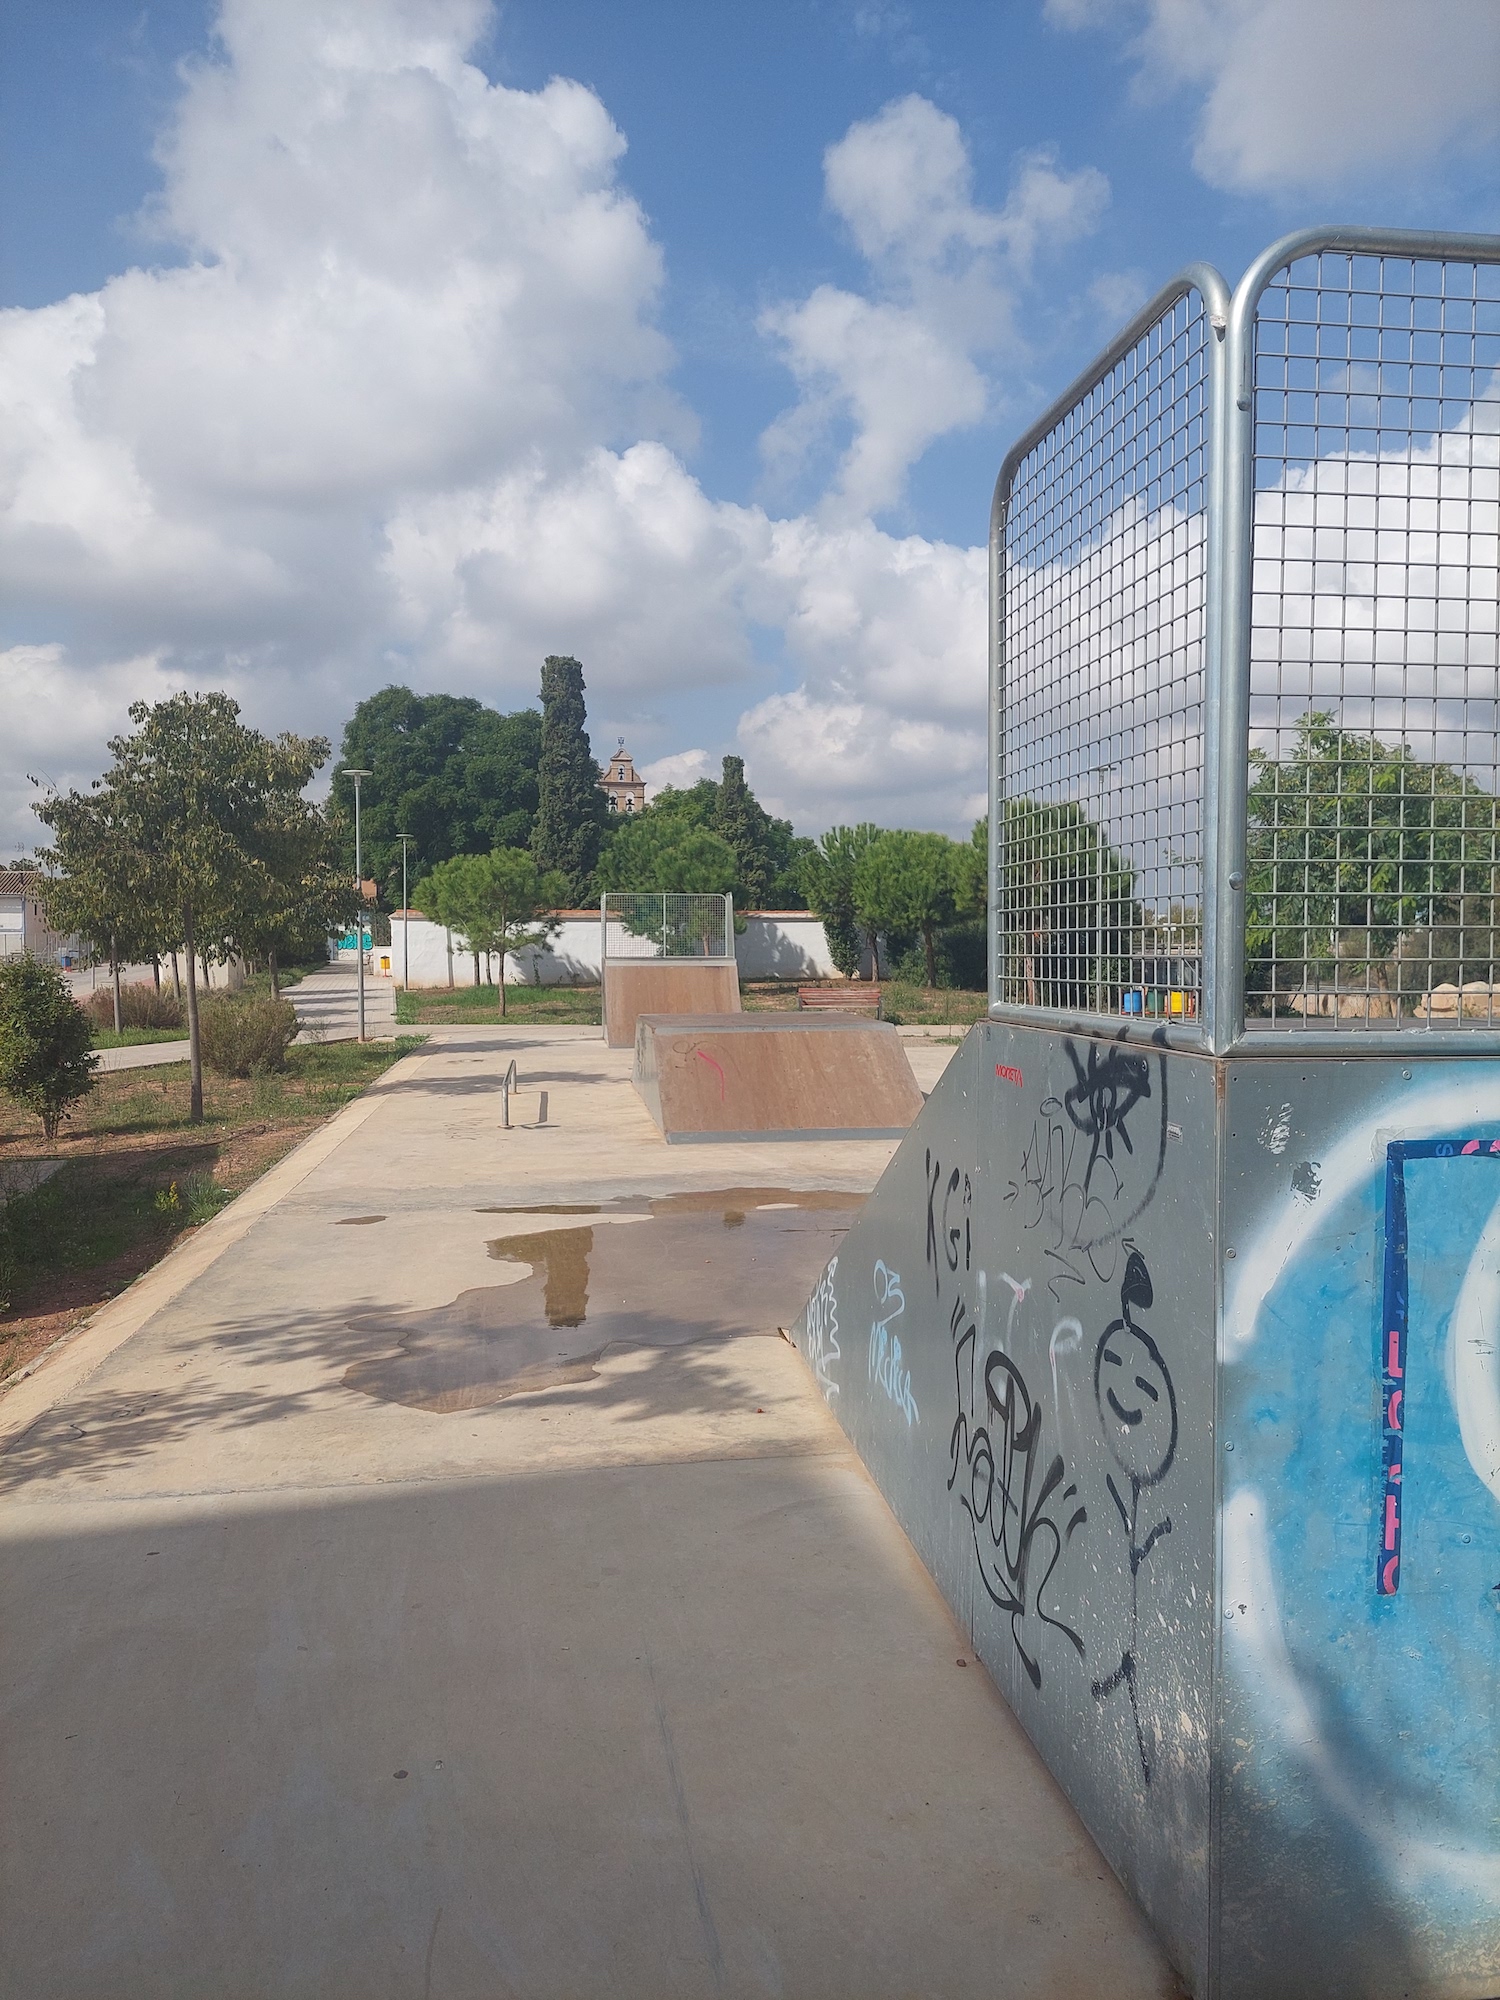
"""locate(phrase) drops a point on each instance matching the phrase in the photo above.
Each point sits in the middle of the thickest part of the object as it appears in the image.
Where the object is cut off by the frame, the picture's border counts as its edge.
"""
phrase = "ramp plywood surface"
(665, 986)
(774, 1077)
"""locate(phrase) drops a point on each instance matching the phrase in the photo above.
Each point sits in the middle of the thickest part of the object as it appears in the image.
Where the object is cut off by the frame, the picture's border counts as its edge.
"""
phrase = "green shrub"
(245, 1037)
(46, 1041)
(140, 1007)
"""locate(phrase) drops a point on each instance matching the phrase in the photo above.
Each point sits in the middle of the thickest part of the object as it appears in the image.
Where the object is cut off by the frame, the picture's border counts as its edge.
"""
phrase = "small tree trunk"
(195, 1047)
(176, 978)
(476, 971)
(502, 979)
(275, 984)
(449, 936)
(114, 976)
(930, 946)
(156, 970)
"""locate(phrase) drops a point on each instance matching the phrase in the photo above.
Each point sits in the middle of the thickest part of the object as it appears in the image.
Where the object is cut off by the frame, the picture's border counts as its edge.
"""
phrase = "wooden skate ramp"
(773, 1076)
(695, 987)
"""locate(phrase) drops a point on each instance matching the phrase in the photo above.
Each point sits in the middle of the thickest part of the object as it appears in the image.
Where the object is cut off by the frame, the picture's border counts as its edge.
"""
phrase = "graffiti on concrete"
(1395, 1316)
(887, 1369)
(949, 1207)
(1020, 1512)
(1138, 1412)
(821, 1323)
(1082, 1181)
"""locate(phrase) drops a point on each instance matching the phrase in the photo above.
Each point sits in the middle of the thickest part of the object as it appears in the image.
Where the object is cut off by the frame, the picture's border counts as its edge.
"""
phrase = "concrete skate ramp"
(774, 1076)
(664, 986)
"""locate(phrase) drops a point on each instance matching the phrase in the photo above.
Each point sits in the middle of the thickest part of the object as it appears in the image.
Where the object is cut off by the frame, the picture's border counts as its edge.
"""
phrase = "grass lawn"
(576, 1006)
(130, 1038)
(902, 1004)
(258, 985)
(913, 1006)
(135, 1175)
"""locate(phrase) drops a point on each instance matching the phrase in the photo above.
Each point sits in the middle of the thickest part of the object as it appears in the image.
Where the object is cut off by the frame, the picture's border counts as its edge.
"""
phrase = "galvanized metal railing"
(638, 924)
(1245, 696)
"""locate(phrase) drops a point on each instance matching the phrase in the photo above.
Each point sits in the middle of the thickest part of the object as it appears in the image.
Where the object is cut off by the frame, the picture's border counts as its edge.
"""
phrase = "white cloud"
(681, 770)
(1297, 96)
(403, 414)
(901, 368)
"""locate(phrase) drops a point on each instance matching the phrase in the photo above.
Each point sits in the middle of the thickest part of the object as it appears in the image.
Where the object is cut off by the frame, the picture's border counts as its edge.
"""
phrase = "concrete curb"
(69, 1361)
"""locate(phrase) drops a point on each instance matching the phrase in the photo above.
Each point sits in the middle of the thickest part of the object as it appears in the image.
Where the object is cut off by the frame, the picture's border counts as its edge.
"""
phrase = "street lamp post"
(406, 840)
(359, 883)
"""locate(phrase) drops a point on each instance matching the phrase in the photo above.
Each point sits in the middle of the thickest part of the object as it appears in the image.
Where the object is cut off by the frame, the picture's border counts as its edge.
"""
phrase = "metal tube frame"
(1220, 1027)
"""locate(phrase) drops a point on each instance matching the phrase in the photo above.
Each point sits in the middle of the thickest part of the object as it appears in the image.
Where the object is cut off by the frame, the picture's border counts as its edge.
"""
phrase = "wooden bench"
(850, 999)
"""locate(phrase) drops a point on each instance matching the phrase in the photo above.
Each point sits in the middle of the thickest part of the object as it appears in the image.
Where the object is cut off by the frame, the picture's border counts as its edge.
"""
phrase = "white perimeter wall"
(775, 944)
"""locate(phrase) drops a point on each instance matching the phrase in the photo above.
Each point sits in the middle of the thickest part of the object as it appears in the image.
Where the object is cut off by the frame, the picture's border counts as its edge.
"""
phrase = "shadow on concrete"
(100, 1433)
(689, 1729)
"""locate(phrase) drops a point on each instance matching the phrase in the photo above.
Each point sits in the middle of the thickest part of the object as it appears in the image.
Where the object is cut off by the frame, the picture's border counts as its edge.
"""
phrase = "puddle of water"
(563, 1255)
(700, 1266)
(357, 1221)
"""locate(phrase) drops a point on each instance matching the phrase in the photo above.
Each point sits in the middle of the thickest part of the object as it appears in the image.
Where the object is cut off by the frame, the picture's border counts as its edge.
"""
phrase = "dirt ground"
(133, 1177)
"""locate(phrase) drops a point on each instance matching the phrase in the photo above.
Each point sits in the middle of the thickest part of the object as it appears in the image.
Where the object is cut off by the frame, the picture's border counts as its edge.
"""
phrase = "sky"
(350, 342)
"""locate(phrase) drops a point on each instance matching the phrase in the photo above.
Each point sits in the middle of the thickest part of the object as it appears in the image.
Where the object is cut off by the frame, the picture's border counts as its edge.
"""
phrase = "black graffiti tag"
(1081, 1181)
(948, 1224)
(1008, 1493)
(1138, 1412)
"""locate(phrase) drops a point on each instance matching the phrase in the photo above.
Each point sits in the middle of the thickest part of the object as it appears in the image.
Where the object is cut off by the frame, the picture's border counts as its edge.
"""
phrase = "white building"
(23, 923)
(775, 944)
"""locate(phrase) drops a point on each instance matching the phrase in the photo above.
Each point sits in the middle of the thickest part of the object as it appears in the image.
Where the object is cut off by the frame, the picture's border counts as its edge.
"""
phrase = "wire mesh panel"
(1101, 556)
(1373, 848)
(639, 924)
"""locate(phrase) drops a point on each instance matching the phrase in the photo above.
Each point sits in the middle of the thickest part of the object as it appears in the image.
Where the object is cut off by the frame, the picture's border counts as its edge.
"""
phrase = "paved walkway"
(438, 1579)
(327, 1004)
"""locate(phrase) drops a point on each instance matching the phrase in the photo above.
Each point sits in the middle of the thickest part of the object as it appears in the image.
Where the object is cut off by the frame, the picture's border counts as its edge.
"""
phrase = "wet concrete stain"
(357, 1221)
(696, 1267)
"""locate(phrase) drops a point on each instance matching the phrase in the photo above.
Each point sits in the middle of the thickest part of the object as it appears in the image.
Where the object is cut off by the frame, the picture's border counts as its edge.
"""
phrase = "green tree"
(1368, 867)
(193, 789)
(459, 777)
(46, 1041)
(743, 823)
(96, 882)
(500, 902)
(909, 882)
(1067, 913)
(658, 852)
(768, 855)
(572, 812)
(827, 883)
(303, 889)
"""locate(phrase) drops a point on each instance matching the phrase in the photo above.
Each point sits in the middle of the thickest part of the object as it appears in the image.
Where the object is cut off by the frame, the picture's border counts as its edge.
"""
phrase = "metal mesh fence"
(1100, 600)
(646, 924)
(1373, 855)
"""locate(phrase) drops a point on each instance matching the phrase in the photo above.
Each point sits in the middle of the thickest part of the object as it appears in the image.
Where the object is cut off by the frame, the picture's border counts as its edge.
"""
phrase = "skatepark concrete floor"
(439, 1578)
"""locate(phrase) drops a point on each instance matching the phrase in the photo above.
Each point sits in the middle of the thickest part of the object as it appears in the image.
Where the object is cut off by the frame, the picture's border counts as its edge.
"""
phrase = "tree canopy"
(572, 812)
(459, 777)
(766, 855)
(497, 902)
(46, 1042)
(1067, 905)
(1368, 867)
(193, 797)
(910, 882)
(827, 882)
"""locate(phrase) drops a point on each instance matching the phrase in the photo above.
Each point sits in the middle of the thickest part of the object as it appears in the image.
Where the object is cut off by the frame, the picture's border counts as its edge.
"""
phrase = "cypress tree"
(743, 822)
(571, 810)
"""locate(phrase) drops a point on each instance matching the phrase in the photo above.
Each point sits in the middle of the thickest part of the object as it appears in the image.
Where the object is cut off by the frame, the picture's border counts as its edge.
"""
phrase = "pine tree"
(743, 823)
(571, 809)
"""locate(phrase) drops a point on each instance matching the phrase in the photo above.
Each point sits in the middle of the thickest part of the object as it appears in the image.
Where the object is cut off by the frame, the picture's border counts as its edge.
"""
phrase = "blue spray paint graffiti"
(1394, 1326)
